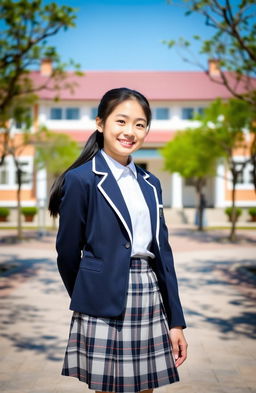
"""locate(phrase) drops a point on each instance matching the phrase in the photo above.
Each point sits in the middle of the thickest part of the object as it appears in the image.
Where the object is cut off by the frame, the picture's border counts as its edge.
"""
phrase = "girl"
(126, 332)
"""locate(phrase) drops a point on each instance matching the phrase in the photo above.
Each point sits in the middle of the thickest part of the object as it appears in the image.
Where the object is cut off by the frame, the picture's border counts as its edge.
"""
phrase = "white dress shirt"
(126, 177)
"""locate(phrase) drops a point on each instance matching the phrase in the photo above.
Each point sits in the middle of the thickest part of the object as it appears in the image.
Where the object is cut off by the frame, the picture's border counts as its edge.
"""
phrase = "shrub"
(252, 211)
(29, 211)
(238, 212)
(4, 211)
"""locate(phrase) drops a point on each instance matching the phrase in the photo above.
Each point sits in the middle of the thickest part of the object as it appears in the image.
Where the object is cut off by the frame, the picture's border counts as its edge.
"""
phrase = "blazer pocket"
(91, 264)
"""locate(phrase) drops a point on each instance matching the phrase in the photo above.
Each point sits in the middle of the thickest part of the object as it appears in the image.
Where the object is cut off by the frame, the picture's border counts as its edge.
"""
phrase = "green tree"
(26, 25)
(55, 152)
(189, 155)
(232, 45)
(15, 148)
(225, 126)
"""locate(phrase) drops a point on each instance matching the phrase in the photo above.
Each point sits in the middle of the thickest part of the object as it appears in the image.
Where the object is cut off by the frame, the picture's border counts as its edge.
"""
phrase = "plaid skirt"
(128, 353)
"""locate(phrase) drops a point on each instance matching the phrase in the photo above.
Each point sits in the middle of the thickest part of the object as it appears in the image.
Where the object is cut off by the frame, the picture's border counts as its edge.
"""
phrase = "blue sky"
(127, 35)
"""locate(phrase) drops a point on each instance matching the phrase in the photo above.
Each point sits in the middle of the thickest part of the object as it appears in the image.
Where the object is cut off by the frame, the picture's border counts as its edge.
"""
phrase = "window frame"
(186, 108)
(72, 108)
(156, 111)
(56, 108)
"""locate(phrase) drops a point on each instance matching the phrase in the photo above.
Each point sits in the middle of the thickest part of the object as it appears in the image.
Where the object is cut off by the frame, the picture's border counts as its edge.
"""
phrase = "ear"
(99, 124)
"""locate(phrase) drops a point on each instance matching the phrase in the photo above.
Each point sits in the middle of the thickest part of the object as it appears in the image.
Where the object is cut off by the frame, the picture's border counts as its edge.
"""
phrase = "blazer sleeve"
(70, 237)
(177, 316)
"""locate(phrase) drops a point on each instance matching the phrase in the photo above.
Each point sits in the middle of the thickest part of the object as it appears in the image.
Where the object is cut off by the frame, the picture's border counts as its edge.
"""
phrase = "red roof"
(155, 85)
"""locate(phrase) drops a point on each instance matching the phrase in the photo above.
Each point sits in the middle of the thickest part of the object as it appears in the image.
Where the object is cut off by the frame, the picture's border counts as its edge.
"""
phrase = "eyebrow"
(139, 118)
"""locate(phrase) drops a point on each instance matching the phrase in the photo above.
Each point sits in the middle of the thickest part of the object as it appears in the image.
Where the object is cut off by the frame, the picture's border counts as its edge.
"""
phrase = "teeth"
(126, 142)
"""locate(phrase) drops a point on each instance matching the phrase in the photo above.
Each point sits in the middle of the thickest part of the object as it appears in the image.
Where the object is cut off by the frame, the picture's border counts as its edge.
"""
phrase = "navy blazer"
(94, 242)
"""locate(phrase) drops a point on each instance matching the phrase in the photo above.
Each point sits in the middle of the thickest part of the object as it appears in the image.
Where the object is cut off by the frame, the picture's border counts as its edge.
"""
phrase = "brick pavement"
(219, 308)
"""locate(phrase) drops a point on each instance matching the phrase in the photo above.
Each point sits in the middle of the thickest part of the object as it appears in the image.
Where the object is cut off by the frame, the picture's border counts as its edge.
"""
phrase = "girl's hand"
(179, 345)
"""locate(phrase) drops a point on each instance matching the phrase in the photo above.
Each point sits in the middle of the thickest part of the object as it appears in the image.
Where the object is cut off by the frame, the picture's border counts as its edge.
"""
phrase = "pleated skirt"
(128, 353)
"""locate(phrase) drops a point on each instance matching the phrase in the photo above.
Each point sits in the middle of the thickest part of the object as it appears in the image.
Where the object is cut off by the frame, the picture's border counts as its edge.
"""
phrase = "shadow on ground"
(214, 278)
(210, 236)
(18, 313)
(23, 324)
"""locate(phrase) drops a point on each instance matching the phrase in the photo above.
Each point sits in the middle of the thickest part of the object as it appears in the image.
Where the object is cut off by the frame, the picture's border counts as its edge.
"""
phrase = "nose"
(129, 130)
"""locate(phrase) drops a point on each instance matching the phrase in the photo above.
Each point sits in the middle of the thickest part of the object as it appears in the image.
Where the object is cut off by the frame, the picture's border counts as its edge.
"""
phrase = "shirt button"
(127, 245)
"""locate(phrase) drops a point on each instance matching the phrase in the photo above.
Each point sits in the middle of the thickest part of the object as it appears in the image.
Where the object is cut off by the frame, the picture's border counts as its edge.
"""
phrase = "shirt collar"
(116, 168)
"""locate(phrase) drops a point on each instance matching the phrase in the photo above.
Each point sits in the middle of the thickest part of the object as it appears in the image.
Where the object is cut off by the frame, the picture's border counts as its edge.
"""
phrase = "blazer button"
(167, 268)
(127, 245)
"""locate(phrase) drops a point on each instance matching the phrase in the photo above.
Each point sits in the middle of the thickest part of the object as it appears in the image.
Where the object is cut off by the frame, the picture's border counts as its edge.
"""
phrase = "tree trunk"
(232, 235)
(200, 206)
(253, 159)
(19, 224)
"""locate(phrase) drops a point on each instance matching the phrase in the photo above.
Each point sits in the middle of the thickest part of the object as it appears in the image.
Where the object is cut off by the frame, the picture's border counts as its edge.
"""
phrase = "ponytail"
(92, 146)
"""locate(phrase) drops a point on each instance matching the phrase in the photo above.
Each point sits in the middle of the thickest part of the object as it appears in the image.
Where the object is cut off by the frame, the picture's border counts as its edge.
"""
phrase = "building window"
(4, 175)
(26, 176)
(187, 113)
(56, 114)
(251, 178)
(68, 114)
(201, 111)
(18, 124)
(161, 113)
(23, 120)
(240, 178)
(94, 113)
(72, 113)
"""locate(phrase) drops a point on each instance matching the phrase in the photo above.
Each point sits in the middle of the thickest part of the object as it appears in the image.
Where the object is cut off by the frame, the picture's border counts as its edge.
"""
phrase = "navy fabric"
(94, 242)
(129, 353)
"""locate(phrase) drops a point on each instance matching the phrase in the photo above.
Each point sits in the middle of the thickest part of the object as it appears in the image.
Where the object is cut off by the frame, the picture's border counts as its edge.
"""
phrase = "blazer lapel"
(111, 191)
(150, 194)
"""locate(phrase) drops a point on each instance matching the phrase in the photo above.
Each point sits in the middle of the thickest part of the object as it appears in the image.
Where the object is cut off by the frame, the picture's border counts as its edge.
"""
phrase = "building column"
(176, 191)
(41, 199)
(219, 197)
(41, 186)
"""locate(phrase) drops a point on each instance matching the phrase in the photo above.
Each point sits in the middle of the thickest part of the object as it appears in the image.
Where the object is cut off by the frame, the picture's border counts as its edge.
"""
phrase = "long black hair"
(108, 103)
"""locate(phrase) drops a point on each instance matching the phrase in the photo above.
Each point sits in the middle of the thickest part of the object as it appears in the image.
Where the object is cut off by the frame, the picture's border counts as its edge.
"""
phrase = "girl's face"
(124, 130)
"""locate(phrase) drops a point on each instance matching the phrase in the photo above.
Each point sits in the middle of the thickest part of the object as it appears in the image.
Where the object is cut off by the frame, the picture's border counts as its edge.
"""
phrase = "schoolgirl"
(126, 332)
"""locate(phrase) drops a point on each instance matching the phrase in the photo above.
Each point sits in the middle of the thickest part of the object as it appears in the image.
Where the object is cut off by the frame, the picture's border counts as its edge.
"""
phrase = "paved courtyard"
(217, 296)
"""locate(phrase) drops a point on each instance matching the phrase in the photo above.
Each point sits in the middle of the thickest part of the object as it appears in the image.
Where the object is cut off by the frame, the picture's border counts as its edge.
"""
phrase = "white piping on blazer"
(157, 206)
(109, 199)
(105, 174)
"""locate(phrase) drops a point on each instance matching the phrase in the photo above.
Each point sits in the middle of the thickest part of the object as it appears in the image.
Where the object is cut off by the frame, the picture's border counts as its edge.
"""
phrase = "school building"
(174, 98)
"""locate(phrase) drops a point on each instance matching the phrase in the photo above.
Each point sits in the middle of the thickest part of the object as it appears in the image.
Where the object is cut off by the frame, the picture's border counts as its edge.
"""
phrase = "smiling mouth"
(126, 143)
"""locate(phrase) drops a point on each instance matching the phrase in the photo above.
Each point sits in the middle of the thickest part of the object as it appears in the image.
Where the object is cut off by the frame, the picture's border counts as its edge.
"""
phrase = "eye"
(141, 125)
(121, 121)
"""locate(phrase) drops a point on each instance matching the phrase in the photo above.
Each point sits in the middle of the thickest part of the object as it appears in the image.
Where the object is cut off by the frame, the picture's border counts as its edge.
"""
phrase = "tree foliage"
(232, 44)
(26, 25)
(188, 154)
(55, 151)
(222, 132)
(228, 126)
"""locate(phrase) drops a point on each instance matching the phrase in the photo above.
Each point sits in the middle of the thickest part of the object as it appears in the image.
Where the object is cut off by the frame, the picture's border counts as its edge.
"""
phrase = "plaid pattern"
(128, 353)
